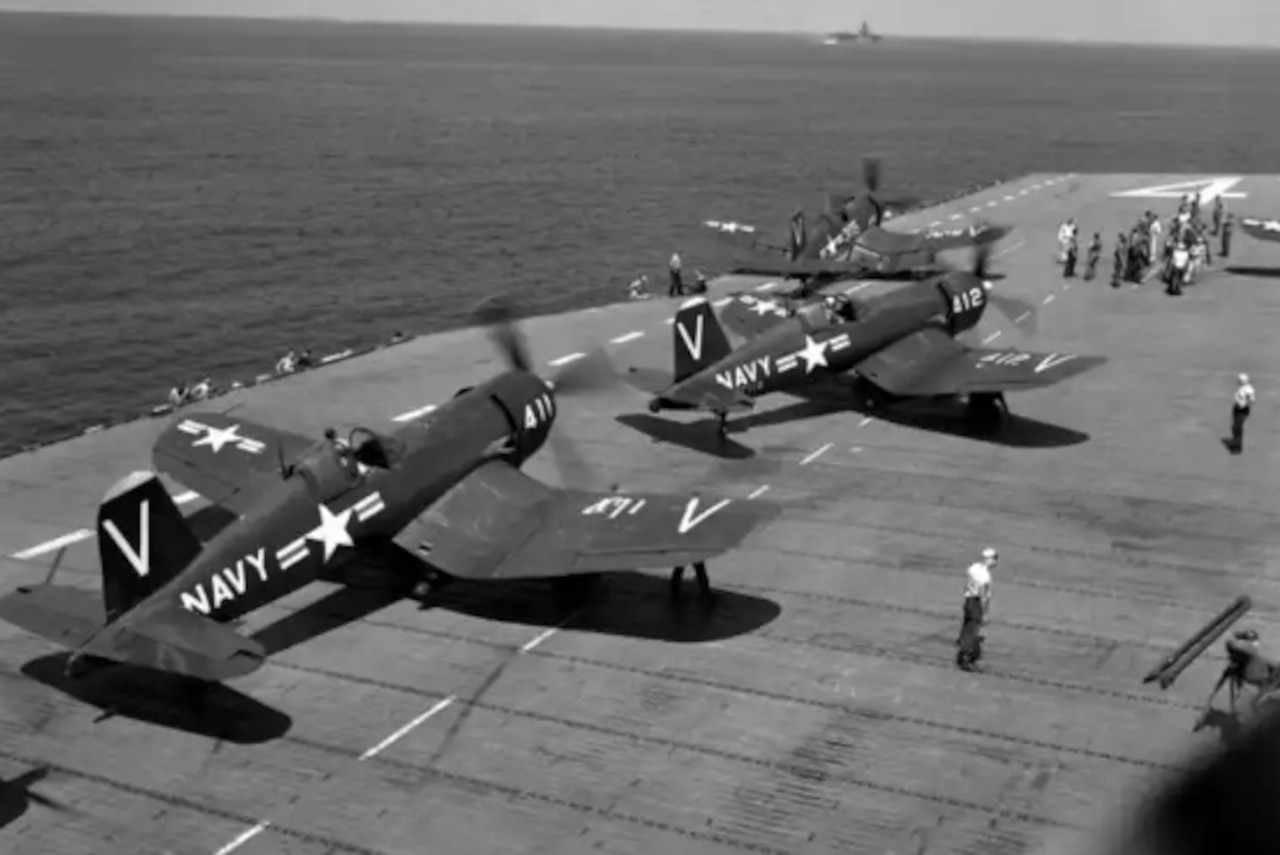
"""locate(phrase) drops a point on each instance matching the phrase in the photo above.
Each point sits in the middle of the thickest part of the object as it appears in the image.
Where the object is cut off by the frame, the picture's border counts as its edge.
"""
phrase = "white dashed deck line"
(1048, 299)
(995, 335)
(53, 545)
(1008, 198)
(566, 359)
(935, 224)
(402, 732)
(538, 639)
(1022, 317)
(243, 838)
(623, 339)
(975, 209)
(1008, 249)
(724, 302)
(815, 455)
(758, 492)
(856, 449)
(957, 216)
(767, 286)
(866, 420)
(413, 414)
(992, 203)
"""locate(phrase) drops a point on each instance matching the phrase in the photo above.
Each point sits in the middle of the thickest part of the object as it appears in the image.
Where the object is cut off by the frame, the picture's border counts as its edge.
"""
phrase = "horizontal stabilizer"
(65, 615)
(170, 638)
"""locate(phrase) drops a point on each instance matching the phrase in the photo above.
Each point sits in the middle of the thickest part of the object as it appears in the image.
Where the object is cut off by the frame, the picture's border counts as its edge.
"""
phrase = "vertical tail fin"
(143, 541)
(699, 339)
(799, 239)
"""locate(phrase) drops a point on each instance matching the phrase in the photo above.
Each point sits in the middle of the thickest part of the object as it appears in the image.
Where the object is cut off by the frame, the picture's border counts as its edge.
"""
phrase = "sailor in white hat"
(1240, 406)
(977, 604)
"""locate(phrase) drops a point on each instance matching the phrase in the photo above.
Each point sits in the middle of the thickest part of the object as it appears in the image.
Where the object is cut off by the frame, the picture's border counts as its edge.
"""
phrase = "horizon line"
(396, 22)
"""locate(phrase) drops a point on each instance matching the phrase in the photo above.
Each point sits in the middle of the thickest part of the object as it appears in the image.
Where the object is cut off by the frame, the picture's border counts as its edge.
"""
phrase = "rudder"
(143, 541)
(699, 339)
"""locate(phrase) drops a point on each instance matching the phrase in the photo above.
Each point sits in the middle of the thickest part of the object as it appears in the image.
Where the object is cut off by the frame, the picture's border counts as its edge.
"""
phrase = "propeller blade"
(871, 173)
(1023, 315)
(981, 260)
(499, 317)
(593, 373)
(573, 468)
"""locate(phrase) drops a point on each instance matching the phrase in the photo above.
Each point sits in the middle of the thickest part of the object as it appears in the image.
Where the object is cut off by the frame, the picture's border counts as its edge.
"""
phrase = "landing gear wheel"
(988, 411)
(704, 582)
(655, 406)
(722, 426)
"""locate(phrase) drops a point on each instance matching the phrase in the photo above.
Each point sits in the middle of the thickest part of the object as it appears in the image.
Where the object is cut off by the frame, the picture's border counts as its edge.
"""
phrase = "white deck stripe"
(623, 339)
(439, 707)
(52, 545)
(566, 359)
(413, 414)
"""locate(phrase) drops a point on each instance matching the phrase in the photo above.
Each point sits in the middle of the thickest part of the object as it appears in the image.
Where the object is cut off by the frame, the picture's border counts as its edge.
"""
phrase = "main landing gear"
(704, 583)
(722, 425)
(988, 411)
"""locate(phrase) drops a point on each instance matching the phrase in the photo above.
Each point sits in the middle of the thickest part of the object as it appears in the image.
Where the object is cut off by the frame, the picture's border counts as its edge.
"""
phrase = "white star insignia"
(332, 531)
(764, 307)
(813, 354)
(218, 437)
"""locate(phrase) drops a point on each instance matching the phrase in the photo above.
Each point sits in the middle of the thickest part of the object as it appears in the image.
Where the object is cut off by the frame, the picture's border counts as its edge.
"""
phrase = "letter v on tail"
(143, 541)
(699, 339)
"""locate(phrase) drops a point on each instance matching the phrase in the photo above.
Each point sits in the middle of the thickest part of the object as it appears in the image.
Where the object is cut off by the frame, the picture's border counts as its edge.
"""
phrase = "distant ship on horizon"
(863, 35)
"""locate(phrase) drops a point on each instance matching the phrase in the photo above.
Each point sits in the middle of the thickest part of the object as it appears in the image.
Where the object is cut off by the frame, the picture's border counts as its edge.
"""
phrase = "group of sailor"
(1183, 254)
(638, 289)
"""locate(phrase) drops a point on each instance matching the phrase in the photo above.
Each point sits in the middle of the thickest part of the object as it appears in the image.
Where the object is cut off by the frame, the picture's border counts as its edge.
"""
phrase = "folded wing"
(226, 460)
(750, 316)
(498, 523)
(930, 362)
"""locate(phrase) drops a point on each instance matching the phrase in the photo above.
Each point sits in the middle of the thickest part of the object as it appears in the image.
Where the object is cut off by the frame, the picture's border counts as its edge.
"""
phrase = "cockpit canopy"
(331, 467)
(841, 308)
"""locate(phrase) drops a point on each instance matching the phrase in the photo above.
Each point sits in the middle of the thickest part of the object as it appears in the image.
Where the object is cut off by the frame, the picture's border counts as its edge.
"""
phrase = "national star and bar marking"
(216, 438)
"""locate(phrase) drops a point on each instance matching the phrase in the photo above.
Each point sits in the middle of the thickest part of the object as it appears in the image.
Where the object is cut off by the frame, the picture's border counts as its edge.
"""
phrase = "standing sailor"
(1240, 407)
(977, 605)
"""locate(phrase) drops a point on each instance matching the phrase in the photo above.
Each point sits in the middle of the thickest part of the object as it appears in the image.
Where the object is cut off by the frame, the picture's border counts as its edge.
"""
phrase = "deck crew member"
(1069, 266)
(1241, 404)
(700, 571)
(1217, 215)
(639, 288)
(1227, 225)
(1154, 229)
(1181, 258)
(1095, 255)
(1119, 259)
(677, 280)
(202, 390)
(977, 605)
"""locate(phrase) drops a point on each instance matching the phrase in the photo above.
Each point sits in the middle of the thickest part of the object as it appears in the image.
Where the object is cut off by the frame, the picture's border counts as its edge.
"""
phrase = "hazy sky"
(1216, 22)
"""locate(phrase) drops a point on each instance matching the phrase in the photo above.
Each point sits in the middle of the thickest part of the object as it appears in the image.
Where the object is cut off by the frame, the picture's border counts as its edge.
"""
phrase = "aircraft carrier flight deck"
(816, 706)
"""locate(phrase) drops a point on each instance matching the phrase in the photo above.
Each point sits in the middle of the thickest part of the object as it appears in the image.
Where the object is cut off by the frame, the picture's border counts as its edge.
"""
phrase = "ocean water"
(189, 197)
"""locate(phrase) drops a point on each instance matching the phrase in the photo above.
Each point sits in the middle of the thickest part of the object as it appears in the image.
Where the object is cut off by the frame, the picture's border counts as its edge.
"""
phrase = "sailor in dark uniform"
(1217, 215)
(977, 603)
(1095, 255)
(1119, 260)
(1227, 225)
(1073, 252)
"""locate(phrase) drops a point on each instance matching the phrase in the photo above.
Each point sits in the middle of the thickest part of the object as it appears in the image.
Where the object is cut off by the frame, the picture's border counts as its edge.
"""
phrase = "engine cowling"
(530, 407)
(965, 298)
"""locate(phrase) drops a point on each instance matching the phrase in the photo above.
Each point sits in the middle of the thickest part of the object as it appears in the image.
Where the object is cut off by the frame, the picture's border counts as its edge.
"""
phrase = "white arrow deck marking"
(690, 520)
(1209, 189)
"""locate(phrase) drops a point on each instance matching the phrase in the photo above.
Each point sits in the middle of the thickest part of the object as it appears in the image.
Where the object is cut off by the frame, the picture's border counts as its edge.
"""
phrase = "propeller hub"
(986, 284)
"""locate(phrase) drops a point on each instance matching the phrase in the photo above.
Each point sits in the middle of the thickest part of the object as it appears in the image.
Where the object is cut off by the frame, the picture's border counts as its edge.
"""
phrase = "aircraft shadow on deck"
(167, 700)
(935, 416)
(16, 797)
(1252, 270)
(630, 604)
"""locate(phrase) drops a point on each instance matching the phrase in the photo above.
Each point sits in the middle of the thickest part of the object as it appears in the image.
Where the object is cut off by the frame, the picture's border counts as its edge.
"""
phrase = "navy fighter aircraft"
(444, 497)
(1267, 230)
(848, 242)
(900, 345)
